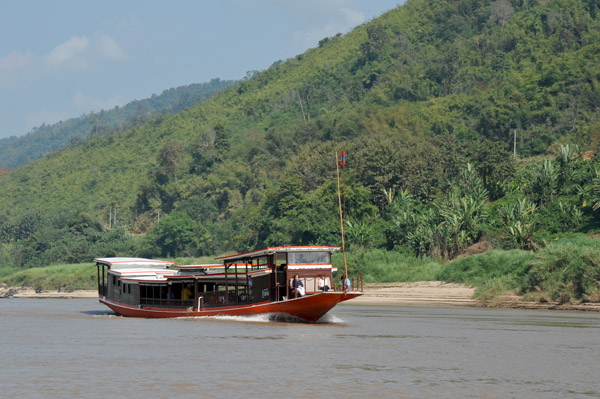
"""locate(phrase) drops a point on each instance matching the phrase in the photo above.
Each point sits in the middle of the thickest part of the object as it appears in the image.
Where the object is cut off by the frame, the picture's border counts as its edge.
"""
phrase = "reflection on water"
(65, 348)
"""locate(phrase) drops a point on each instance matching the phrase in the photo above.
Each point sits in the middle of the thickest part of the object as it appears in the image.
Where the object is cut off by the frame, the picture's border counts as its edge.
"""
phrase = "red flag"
(343, 158)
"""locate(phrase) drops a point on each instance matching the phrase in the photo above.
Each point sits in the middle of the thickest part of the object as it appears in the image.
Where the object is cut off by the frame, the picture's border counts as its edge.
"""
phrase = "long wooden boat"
(257, 282)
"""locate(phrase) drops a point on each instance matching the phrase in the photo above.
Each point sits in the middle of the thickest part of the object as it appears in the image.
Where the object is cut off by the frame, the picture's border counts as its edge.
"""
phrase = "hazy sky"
(60, 59)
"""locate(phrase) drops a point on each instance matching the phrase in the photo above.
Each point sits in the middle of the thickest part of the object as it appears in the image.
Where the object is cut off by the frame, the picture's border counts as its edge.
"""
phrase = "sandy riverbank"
(418, 294)
(422, 293)
(25, 292)
(438, 293)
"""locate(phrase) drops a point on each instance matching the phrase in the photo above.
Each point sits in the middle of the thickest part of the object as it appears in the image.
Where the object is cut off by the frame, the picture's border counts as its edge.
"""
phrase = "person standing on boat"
(298, 286)
(346, 285)
(187, 293)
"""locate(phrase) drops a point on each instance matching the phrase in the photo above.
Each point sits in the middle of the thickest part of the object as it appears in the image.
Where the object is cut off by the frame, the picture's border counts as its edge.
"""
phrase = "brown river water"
(61, 348)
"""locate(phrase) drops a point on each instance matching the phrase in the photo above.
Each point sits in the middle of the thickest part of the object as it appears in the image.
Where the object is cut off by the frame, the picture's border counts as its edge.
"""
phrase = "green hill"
(16, 151)
(425, 99)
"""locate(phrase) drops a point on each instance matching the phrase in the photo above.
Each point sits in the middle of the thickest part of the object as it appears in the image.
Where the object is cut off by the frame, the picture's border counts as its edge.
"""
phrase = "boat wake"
(270, 318)
(258, 318)
(330, 319)
(100, 313)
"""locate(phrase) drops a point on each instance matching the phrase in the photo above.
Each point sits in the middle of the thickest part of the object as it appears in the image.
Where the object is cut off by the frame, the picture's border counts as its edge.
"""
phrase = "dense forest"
(16, 151)
(464, 122)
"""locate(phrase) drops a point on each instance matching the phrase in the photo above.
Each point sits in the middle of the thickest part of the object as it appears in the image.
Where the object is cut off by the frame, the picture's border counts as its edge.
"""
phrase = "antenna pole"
(337, 167)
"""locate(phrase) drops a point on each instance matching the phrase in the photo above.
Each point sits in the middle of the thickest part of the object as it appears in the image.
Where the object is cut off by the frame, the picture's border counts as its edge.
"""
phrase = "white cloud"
(70, 52)
(12, 64)
(353, 17)
(78, 51)
(14, 61)
(345, 20)
(109, 48)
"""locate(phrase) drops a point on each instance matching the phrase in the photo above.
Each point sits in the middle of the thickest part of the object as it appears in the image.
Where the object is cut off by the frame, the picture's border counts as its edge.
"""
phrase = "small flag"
(343, 158)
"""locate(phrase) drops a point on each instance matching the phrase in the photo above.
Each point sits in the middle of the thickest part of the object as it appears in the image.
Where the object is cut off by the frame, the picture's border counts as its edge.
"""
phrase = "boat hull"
(309, 308)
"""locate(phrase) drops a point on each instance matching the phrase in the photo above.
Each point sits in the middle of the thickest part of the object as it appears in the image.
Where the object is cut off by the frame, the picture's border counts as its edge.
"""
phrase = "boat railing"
(355, 282)
(184, 303)
(219, 298)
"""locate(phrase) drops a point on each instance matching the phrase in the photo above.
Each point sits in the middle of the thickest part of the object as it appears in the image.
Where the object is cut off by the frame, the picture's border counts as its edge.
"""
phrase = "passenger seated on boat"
(323, 286)
(187, 293)
(298, 286)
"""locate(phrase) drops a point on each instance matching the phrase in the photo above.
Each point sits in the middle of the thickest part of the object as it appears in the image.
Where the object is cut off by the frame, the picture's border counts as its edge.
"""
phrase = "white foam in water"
(101, 313)
(270, 317)
(258, 318)
(263, 318)
(330, 319)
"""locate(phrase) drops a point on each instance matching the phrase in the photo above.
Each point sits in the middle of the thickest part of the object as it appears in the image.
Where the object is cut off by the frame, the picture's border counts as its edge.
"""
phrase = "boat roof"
(198, 267)
(273, 250)
(132, 263)
(143, 274)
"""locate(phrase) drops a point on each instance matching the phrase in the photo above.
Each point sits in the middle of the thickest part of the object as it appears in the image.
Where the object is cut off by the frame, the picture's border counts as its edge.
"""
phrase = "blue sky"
(61, 59)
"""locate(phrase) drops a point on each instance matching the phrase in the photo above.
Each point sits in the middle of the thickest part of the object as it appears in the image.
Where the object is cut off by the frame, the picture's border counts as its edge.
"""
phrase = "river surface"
(53, 348)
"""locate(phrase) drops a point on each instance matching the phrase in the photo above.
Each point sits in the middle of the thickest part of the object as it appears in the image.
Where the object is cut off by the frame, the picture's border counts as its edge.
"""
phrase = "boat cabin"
(309, 263)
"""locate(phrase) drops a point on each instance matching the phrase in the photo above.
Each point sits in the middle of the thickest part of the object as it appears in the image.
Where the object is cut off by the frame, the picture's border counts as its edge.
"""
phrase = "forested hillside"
(16, 151)
(426, 100)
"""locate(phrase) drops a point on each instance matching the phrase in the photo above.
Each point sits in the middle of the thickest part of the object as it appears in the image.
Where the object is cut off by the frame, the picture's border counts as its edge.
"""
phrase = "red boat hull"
(309, 308)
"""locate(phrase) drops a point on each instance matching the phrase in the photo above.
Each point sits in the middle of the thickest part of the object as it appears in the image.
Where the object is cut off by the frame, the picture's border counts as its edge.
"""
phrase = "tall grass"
(381, 266)
(566, 271)
(203, 260)
(55, 277)
(493, 273)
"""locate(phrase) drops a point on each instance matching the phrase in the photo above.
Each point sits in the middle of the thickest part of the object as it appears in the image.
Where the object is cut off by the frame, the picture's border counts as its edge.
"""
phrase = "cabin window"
(114, 280)
(307, 258)
(262, 261)
(280, 258)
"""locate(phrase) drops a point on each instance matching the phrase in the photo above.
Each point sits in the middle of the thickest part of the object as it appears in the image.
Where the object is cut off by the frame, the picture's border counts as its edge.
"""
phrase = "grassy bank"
(566, 271)
(56, 277)
(381, 266)
(493, 273)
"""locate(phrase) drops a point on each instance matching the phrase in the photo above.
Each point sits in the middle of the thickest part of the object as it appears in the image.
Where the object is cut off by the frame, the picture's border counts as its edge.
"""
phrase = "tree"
(171, 236)
(567, 159)
(221, 141)
(543, 183)
(500, 12)
(518, 223)
(204, 152)
(495, 165)
(168, 161)
(376, 39)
